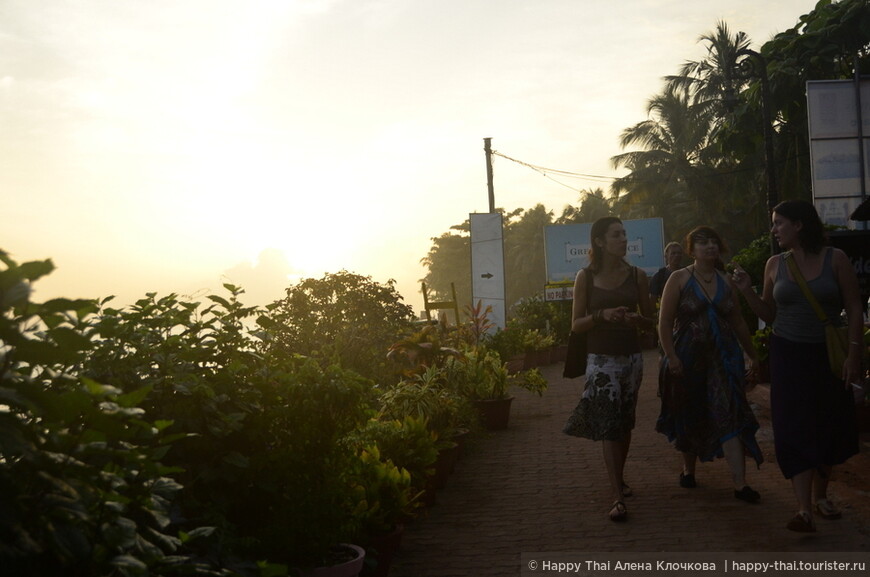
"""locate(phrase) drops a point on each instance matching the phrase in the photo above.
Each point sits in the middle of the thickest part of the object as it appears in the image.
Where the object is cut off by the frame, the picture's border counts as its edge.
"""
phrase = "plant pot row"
(542, 358)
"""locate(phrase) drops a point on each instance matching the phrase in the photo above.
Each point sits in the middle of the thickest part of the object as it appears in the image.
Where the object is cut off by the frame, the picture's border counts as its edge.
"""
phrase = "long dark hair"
(811, 236)
(599, 229)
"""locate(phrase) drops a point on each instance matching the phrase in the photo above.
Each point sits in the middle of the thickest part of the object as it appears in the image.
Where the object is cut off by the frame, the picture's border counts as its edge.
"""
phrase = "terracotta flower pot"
(349, 568)
(380, 552)
(444, 465)
(494, 413)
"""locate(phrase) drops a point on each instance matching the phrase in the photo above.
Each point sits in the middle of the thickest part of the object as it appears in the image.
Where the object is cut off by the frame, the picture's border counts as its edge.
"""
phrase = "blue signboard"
(567, 247)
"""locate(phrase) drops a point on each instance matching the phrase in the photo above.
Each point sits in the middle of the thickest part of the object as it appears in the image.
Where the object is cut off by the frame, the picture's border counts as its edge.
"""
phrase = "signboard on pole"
(838, 151)
(487, 265)
(567, 247)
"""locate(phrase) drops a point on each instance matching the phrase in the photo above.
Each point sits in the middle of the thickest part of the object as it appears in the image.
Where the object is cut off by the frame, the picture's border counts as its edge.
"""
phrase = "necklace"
(706, 280)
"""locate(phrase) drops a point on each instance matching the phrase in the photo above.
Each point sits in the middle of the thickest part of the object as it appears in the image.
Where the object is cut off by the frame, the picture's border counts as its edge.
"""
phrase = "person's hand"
(638, 320)
(751, 374)
(614, 315)
(741, 278)
(675, 365)
(852, 369)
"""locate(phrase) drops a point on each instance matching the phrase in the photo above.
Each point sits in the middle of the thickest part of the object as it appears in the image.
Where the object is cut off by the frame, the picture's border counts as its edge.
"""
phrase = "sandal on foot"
(747, 494)
(618, 511)
(687, 481)
(627, 491)
(827, 510)
(802, 523)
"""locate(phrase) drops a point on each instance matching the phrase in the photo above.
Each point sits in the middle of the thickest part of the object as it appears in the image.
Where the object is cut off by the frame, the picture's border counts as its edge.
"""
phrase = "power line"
(547, 171)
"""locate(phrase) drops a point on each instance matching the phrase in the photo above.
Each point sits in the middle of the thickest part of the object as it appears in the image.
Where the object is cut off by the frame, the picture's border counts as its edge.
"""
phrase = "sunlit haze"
(175, 145)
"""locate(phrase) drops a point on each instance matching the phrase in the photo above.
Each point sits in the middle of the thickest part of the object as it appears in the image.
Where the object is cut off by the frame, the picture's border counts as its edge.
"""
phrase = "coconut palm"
(525, 270)
(593, 205)
(671, 175)
(715, 81)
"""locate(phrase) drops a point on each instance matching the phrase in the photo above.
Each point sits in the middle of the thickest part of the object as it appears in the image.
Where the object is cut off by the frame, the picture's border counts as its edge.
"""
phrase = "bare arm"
(581, 319)
(667, 314)
(764, 306)
(738, 323)
(851, 296)
(647, 307)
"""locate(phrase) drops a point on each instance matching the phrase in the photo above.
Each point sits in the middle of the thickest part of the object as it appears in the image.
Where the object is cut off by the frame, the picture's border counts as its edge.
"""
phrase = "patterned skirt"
(606, 411)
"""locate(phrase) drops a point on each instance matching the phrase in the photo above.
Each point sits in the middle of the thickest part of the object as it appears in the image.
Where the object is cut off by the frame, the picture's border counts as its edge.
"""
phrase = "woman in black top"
(614, 369)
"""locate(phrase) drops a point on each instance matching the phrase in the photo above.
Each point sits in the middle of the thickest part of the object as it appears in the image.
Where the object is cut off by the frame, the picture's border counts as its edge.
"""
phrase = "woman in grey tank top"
(812, 410)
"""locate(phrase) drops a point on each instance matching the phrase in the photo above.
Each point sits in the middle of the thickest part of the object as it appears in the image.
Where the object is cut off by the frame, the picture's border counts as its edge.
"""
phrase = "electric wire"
(563, 173)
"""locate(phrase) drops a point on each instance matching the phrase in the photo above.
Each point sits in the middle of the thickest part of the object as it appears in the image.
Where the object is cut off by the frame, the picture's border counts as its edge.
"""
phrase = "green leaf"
(99, 389)
(134, 398)
(161, 424)
(129, 563)
(35, 269)
(70, 340)
(272, 569)
(201, 532)
(220, 300)
(236, 459)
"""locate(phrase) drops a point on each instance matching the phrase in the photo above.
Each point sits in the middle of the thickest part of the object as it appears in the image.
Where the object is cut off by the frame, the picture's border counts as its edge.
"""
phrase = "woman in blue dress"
(704, 410)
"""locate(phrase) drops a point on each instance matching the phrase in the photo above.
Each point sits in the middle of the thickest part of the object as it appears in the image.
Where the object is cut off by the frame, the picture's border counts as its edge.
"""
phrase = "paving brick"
(530, 488)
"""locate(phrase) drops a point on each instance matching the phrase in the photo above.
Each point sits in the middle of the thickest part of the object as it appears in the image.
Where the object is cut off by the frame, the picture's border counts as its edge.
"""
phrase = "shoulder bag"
(836, 338)
(575, 359)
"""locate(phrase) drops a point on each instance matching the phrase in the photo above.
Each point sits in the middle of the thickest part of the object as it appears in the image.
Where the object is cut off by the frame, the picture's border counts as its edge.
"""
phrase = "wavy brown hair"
(706, 232)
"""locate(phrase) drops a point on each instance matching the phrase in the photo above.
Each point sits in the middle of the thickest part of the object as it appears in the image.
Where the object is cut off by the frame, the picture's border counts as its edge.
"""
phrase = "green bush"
(547, 317)
(342, 318)
(409, 445)
(752, 259)
(84, 488)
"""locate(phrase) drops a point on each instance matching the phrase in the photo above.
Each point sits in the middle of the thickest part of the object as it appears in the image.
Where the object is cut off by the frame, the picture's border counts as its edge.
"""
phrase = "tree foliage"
(699, 157)
(345, 317)
(82, 474)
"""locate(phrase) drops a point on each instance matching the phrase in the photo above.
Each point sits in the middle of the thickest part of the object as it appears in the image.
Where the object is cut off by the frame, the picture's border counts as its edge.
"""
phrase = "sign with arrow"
(487, 265)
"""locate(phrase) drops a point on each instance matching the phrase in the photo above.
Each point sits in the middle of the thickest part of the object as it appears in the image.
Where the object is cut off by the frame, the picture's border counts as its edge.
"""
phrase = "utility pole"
(487, 147)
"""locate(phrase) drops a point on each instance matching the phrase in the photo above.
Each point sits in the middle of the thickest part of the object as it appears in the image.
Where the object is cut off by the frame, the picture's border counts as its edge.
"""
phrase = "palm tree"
(670, 174)
(593, 205)
(525, 267)
(715, 81)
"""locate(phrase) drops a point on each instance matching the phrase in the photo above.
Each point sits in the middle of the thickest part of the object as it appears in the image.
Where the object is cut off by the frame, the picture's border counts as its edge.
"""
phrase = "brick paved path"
(531, 488)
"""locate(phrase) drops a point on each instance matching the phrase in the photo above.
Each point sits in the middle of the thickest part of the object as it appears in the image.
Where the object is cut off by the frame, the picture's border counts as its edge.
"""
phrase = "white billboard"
(837, 158)
(487, 265)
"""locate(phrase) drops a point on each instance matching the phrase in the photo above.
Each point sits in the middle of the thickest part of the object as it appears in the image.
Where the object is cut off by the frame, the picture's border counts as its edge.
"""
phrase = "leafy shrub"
(84, 490)
(344, 318)
(548, 317)
(408, 444)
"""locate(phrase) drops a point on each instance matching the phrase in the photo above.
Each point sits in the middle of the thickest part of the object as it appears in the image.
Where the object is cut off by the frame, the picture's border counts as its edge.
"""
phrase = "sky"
(172, 146)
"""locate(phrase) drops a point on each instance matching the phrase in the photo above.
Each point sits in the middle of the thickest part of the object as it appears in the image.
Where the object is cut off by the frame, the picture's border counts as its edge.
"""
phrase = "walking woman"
(618, 303)
(704, 408)
(813, 410)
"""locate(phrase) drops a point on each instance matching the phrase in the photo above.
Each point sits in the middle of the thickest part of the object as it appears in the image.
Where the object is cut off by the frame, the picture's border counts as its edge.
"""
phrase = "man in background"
(673, 258)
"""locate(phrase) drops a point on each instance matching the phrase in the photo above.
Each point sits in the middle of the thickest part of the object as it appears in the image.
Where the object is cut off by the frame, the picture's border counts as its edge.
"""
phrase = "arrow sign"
(486, 275)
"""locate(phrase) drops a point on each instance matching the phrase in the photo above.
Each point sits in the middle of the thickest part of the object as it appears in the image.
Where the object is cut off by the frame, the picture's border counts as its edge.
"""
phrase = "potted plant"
(508, 343)
(761, 343)
(481, 376)
(538, 346)
(300, 474)
(446, 414)
(386, 498)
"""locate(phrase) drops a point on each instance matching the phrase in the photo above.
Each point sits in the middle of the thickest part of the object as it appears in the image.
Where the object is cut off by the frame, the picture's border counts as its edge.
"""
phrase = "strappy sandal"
(802, 523)
(618, 511)
(827, 510)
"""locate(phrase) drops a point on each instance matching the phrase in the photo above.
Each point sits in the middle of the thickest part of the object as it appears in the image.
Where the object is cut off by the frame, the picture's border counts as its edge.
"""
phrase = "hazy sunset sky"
(174, 145)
